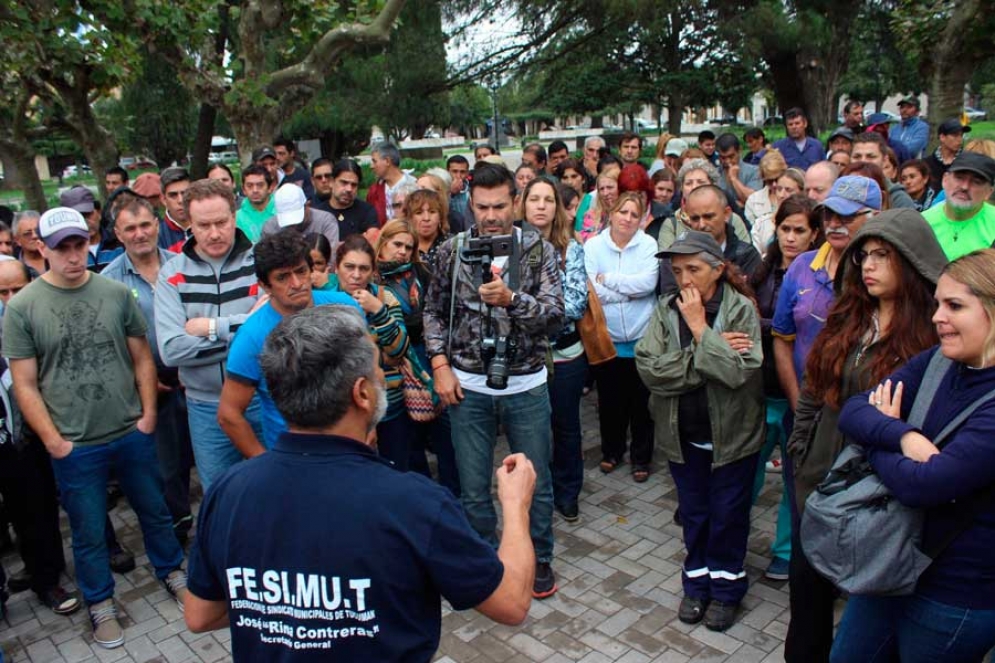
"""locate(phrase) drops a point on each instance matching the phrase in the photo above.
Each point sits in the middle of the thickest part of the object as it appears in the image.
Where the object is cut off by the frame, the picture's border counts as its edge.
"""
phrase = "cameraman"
(486, 335)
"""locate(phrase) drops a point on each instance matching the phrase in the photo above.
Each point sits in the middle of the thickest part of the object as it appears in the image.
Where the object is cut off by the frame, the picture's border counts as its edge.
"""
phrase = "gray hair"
(20, 216)
(443, 175)
(404, 190)
(591, 140)
(698, 164)
(388, 151)
(311, 361)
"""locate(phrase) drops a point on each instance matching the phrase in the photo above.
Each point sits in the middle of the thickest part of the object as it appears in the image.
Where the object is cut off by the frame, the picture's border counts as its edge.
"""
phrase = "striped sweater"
(189, 288)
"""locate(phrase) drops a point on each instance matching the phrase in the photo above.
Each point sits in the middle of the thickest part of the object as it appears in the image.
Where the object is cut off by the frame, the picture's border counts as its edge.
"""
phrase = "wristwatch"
(212, 329)
(514, 299)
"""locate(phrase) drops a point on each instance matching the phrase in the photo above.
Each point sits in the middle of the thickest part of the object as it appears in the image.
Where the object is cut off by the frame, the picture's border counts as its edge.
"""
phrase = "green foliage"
(878, 66)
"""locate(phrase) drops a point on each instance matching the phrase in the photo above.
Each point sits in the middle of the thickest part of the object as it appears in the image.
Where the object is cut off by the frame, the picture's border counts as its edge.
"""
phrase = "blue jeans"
(212, 450)
(395, 437)
(525, 417)
(911, 629)
(82, 478)
(565, 391)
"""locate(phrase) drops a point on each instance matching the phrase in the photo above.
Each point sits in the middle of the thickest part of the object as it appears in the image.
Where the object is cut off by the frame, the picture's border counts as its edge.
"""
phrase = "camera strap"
(514, 262)
(452, 295)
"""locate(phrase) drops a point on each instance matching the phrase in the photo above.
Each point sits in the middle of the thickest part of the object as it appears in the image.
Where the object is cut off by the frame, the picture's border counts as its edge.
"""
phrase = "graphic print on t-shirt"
(300, 610)
(87, 353)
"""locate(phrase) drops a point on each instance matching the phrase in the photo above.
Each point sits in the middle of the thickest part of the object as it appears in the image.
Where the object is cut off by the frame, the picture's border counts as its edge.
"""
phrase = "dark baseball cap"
(909, 101)
(952, 126)
(842, 132)
(78, 198)
(974, 162)
(263, 152)
(691, 242)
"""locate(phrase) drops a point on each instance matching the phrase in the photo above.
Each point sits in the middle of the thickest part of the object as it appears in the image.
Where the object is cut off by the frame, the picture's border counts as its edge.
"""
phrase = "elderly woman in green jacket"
(700, 359)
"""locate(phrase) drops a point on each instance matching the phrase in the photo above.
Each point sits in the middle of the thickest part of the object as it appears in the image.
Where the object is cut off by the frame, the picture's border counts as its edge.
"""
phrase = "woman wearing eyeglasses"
(881, 319)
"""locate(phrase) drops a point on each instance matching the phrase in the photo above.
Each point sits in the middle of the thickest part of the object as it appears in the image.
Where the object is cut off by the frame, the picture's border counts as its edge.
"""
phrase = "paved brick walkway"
(620, 586)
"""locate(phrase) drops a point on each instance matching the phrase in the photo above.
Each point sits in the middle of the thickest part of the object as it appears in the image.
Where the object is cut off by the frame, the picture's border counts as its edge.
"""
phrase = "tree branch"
(311, 71)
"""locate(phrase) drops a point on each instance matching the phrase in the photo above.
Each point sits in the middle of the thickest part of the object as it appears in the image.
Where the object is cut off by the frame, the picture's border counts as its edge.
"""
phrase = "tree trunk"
(20, 155)
(202, 142)
(674, 110)
(252, 127)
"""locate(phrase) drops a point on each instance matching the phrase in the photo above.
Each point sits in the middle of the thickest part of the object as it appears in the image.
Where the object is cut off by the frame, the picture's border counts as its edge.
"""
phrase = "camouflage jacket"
(536, 314)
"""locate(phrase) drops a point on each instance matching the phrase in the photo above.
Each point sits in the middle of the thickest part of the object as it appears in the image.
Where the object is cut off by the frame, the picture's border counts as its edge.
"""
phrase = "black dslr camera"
(497, 350)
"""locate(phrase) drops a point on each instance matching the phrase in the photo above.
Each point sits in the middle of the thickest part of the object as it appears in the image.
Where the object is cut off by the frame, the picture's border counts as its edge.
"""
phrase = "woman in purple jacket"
(951, 615)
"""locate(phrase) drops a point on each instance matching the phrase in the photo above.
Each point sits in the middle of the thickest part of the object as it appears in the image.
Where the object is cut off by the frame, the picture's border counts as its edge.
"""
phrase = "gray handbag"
(853, 530)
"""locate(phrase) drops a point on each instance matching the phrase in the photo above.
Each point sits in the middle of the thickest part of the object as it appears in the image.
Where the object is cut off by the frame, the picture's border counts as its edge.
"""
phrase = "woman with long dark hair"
(951, 615)
(879, 321)
(700, 359)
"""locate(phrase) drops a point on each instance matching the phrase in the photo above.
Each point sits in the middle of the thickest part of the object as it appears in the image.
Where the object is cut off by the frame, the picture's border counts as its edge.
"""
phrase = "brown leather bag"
(593, 330)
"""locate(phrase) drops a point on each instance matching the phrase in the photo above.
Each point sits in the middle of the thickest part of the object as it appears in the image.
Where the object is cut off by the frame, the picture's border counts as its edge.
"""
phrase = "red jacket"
(377, 196)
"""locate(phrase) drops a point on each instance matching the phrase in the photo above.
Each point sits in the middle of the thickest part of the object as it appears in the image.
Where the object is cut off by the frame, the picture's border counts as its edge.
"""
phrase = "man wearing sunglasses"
(335, 189)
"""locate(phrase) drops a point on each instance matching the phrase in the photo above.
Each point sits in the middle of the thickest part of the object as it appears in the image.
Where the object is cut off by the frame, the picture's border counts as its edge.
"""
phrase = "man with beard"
(258, 205)
(286, 161)
(965, 221)
(283, 267)
(338, 600)
(335, 192)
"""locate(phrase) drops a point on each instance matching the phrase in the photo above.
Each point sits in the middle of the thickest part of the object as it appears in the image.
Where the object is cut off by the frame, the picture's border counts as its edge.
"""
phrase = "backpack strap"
(937, 368)
(965, 513)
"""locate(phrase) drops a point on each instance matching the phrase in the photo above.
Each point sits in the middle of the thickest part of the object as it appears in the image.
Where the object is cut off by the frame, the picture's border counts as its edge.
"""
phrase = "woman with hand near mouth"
(355, 263)
(879, 321)
(951, 614)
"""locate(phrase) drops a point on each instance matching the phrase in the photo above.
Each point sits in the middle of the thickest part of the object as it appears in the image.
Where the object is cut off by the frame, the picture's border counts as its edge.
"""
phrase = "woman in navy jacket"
(951, 615)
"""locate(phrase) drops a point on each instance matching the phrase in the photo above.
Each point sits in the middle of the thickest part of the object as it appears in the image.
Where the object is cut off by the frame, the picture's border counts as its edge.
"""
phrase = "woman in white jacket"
(621, 262)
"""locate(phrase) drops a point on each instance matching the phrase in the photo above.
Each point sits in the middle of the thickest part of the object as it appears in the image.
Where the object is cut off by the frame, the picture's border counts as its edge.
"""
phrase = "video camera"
(496, 350)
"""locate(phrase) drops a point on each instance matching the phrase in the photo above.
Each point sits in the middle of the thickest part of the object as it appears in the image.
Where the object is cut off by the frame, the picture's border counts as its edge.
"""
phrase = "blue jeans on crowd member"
(776, 407)
(525, 418)
(82, 478)
(565, 391)
(911, 629)
(715, 517)
(212, 450)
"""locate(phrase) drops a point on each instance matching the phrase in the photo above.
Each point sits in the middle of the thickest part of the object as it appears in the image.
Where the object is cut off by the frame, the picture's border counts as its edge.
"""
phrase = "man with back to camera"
(85, 380)
(524, 305)
(283, 267)
(321, 589)
(293, 210)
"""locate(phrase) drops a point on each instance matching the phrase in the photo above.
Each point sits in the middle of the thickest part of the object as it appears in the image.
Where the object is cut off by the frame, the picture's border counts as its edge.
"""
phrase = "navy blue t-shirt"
(325, 552)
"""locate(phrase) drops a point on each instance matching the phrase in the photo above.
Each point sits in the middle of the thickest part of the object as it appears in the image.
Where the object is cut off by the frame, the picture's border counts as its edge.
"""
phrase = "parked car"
(773, 121)
(724, 119)
(646, 126)
(143, 163)
(975, 115)
(73, 170)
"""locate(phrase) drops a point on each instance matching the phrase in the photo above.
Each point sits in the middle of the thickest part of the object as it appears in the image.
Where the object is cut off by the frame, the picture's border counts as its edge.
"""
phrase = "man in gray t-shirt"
(85, 379)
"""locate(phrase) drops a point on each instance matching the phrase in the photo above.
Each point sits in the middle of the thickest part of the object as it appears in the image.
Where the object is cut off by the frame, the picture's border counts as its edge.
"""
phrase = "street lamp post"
(496, 126)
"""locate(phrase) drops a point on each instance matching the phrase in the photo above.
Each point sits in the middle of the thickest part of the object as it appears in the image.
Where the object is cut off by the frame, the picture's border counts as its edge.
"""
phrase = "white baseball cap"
(290, 202)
